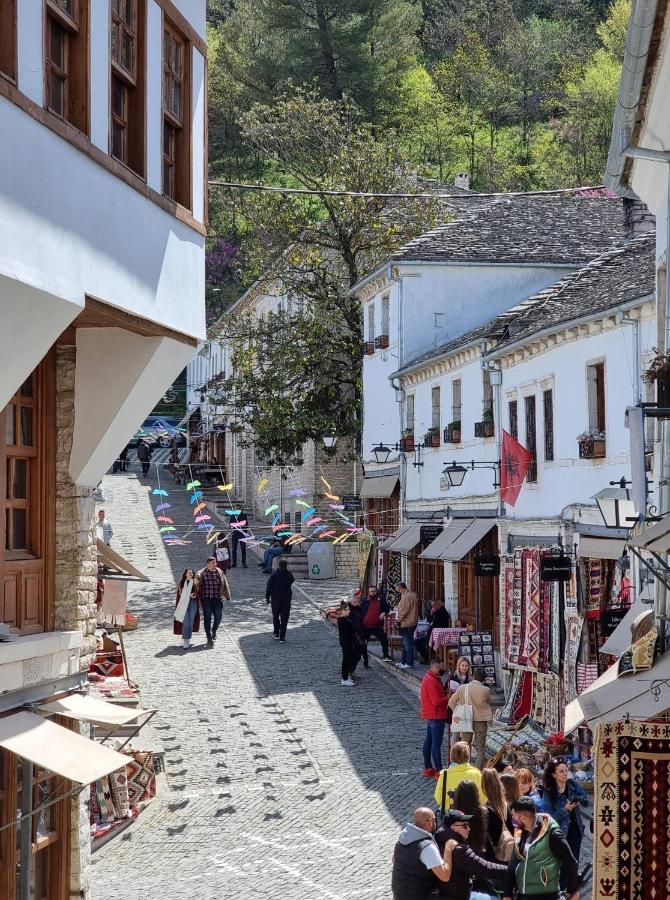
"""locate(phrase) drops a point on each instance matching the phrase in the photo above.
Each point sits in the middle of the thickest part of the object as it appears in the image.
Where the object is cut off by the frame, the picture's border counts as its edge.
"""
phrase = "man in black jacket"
(466, 865)
(418, 865)
(278, 592)
(439, 618)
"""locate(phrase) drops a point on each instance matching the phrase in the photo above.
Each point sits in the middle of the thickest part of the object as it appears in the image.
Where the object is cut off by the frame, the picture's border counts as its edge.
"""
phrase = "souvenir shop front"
(381, 499)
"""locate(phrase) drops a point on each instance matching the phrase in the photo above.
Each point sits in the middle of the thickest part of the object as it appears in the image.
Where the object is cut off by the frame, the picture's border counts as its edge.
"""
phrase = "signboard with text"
(555, 568)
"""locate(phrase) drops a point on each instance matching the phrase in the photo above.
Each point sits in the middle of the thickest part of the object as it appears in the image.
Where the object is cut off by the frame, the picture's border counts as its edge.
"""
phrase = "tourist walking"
(541, 853)
(144, 451)
(278, 593)
(212, 588)
(459, 770)
(434, 707)
(103, 528)
(356, 616)
(478, 696)
(467, 865)
(222, 553)
(407, 613)
(187, 612)
(417, 861)
(561, 799)
(528, 786)
(347, 635)
(237, 538)
(499, 825)
(375, 609)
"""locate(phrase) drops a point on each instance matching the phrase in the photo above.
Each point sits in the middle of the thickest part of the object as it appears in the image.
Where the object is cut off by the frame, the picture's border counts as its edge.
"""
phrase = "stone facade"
(76, 559)
(76, 582)
(346, 561)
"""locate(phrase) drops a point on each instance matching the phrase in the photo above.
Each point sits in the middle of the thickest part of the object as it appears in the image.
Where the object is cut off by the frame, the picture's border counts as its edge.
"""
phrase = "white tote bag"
(463, 717)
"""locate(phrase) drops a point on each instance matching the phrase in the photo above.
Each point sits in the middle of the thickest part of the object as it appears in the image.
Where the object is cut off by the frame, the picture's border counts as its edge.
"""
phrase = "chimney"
(637, 219)
(462, 180)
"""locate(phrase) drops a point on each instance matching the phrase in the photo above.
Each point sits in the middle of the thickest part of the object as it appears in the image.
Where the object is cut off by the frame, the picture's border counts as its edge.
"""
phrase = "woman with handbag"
(460, 769)
(187, 611)
(471, 704)
(499, 825)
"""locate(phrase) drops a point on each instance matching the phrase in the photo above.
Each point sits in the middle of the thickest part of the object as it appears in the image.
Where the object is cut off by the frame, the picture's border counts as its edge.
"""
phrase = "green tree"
(297, 370)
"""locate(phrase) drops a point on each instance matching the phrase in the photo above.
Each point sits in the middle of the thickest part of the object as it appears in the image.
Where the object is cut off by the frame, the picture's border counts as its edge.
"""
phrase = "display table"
(444, 642)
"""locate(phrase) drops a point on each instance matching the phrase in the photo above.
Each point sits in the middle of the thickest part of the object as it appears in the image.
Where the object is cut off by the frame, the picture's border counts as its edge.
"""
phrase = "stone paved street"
(283, 784)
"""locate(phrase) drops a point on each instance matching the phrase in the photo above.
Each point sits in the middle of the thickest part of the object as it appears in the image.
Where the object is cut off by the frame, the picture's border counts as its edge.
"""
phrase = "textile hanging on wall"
(574, 626)
(105, 801)
(530, 654)
(586, 675)
(393, 576)
(516, 618)
(118, 783)
(640, 656)
(141, 777)
(545, 624)
(545, 709)
(596, 586)
(523, 698)
(114, 602)
(632, 799)
(555, 629)
(504, 715)
(507, 642)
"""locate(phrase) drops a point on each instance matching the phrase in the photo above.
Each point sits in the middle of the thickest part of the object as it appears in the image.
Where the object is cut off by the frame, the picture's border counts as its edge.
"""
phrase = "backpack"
(505, 846)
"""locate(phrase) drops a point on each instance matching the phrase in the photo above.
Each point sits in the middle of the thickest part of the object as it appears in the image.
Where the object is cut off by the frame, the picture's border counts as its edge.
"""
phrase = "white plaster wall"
(154, 98)
(198, 134)
(381, 411)
(194, 11)
(565, 481)
(119, 377)
(86, 232)
(441, 302)
(22, 344)
(100, 74)
(30, 45)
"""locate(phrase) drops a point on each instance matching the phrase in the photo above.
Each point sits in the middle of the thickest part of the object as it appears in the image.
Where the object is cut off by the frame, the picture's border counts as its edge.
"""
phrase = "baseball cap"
(454, 816)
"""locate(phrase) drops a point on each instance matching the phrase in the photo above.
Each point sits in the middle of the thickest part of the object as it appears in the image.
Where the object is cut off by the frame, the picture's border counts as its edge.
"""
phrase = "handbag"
(463, 715)
(505, 845)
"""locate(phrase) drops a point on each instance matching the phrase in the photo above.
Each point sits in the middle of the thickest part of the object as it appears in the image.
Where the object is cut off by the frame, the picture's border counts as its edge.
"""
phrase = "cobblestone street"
(282, 783)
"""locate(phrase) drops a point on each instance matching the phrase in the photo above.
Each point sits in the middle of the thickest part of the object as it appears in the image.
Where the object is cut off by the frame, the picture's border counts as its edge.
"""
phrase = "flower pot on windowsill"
(485, 428)
(407, 443)
(431, 438)
(592, 448)
(367, 348)
(663, 391)
(452, 433)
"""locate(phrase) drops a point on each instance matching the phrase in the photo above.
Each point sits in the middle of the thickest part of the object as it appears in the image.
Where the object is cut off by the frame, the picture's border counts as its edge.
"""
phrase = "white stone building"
(102, 199)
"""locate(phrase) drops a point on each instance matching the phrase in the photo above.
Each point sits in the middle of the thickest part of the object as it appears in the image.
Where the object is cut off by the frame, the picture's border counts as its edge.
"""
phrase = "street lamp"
(456, 474)
(616, 505)
(329, 441)
(381, 453)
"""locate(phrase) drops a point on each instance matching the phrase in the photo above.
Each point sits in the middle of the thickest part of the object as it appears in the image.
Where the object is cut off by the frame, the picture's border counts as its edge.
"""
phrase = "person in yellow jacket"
(460, 769)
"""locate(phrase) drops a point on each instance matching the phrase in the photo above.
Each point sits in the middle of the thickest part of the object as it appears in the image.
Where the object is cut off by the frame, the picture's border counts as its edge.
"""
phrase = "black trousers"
(145, 468)
(349, 660)
(281, 610)
(236, 537)
(380, 634)
(212, 613)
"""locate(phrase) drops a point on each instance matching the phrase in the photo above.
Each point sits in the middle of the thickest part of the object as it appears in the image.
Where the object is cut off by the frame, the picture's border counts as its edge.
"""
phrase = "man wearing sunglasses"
(466, 865)
(418, 865)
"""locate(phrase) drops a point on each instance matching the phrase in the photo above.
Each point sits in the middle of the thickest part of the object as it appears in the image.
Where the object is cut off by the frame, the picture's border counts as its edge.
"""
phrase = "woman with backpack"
(499, 826)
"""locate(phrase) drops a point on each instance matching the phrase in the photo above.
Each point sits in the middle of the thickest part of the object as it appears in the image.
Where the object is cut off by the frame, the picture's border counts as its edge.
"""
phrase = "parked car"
(161, 429)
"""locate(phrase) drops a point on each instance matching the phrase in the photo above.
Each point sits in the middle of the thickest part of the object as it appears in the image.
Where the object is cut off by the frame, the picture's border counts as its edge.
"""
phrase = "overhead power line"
(315, 192)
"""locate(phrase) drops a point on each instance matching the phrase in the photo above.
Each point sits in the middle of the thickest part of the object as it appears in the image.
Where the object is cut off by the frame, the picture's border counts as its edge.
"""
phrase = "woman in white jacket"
(187, 610)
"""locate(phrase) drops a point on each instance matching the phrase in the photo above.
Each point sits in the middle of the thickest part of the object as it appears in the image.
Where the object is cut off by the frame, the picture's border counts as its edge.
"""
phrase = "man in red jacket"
(434, 706)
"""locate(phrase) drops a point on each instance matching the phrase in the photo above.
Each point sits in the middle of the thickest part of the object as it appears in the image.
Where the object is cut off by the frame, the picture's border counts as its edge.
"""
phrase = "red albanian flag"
(513, 467)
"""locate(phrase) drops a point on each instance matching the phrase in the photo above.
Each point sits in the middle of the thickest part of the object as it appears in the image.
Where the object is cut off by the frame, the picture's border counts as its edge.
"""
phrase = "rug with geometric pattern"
(632, 811)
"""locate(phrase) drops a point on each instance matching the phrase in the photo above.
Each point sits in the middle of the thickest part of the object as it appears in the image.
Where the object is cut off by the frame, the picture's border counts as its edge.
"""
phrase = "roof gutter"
(638, 40)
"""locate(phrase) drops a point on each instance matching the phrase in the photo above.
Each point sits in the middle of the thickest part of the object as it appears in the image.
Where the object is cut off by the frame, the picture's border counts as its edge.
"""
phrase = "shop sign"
(487, 565)
(429, 533)
(555, 568)
(352, 503)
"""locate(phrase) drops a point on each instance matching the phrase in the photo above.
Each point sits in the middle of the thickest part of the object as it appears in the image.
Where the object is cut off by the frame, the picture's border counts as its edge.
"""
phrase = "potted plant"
(658, 372)
(485, 428)
(432, 437)
(592, 444)
(407, 440)
(452, 433)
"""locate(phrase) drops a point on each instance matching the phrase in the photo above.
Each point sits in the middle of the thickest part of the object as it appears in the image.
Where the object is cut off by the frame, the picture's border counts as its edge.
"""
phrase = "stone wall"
(76, 560)
(346, 561)
(75, 587)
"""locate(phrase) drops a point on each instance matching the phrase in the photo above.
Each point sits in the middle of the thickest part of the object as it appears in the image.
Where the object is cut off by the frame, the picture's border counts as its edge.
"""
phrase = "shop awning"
(656, 538)
(113, 560)
(386, 543)
(92, 709)
(472, 535)
(53, 747)
(600, 548)
(611, 697)
(442, 543)
(378, 488)
(406, 541)
(620, 639)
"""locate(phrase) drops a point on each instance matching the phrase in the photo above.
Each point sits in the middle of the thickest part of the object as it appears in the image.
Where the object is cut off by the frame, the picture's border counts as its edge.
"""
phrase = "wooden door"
(467, 598)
